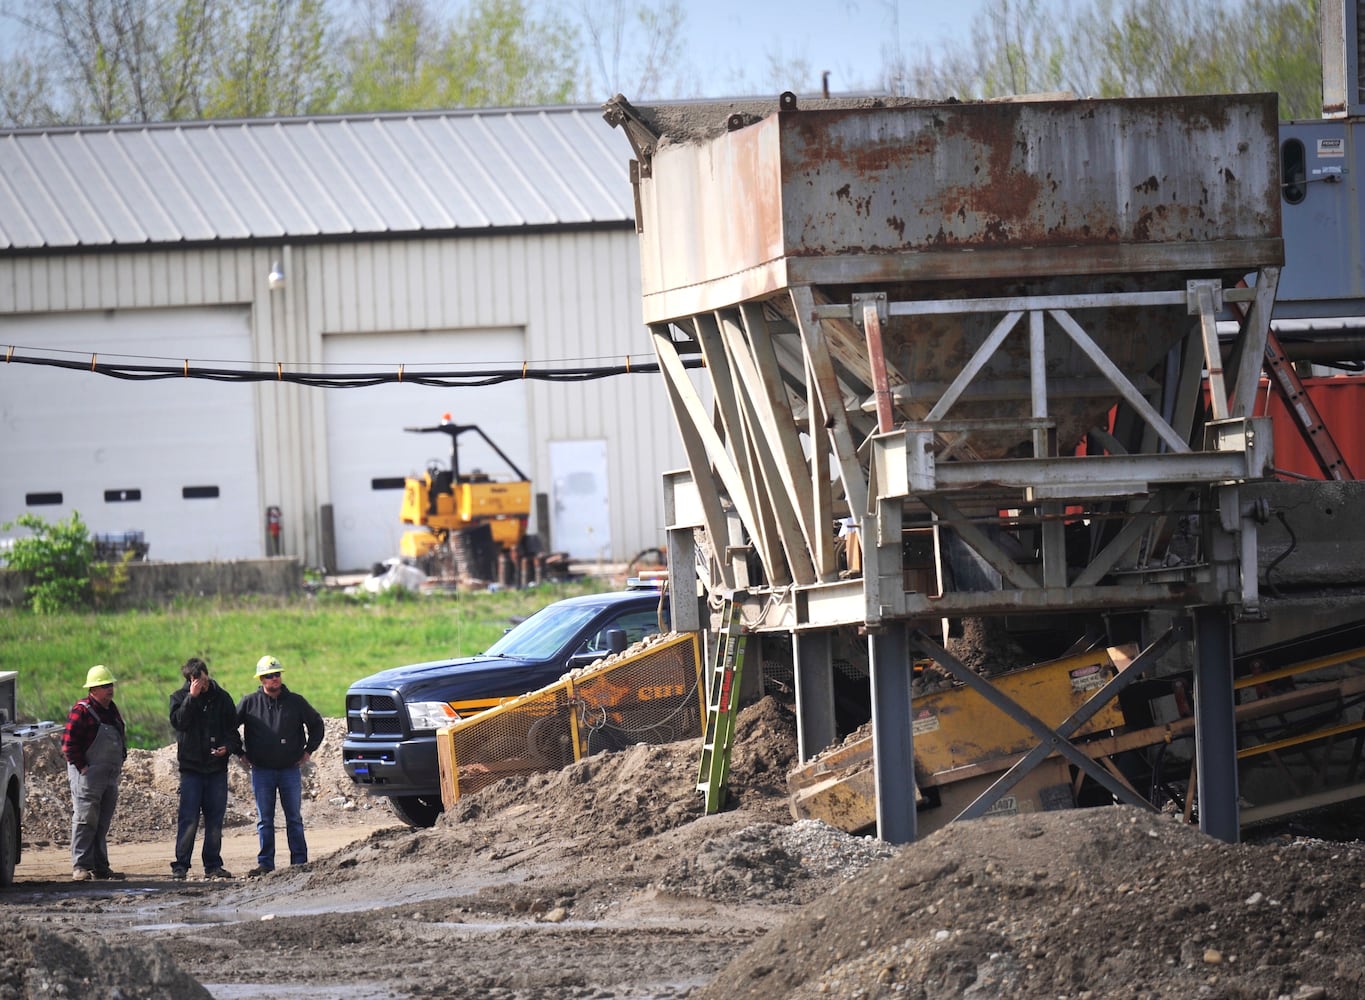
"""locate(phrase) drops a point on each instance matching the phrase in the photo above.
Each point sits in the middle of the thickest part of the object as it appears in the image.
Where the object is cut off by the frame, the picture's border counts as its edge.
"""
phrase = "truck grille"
(373, 715)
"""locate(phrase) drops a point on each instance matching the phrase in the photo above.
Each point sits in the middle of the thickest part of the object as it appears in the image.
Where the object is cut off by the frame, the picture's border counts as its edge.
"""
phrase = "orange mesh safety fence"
(650, 694)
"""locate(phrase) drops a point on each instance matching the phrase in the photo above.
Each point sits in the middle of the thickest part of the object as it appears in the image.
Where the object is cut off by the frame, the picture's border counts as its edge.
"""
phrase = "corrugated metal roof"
(291, 178)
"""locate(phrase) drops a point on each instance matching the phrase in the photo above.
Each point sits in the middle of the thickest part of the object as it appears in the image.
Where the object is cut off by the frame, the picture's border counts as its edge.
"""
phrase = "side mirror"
(616, 640)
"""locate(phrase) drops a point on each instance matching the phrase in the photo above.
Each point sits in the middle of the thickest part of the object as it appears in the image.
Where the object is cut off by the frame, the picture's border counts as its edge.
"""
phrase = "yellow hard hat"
(98, 676)
(267, 665)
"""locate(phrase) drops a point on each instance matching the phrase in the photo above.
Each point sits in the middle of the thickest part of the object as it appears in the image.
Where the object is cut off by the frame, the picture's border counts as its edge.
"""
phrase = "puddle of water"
(311, 991)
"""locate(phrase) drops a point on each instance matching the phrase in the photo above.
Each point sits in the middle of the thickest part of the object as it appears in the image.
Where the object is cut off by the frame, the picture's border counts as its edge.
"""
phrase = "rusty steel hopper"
(739, 203)
(909, 316)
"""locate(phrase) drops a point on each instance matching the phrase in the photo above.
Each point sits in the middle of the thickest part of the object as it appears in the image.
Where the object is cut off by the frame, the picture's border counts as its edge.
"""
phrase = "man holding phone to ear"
(205, 721)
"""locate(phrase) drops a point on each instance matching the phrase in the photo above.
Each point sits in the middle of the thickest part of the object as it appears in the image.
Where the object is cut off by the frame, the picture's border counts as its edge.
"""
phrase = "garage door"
(369, 454)
(174, 459)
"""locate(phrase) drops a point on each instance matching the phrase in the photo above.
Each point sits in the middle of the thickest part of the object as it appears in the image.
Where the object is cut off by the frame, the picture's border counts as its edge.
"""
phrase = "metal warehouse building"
(459, 241)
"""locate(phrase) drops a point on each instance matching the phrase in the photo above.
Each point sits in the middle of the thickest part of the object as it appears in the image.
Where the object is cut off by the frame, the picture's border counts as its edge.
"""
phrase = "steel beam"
(815, 727)
(1215, 725)
(893, 758)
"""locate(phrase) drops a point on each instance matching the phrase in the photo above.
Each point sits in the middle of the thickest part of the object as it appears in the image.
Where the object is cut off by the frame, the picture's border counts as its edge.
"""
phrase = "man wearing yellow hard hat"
(95, 745)
(280, 732)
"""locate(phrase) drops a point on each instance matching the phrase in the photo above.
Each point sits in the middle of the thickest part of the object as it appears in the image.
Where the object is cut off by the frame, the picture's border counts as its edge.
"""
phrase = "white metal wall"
(172, 459)
(575, 294)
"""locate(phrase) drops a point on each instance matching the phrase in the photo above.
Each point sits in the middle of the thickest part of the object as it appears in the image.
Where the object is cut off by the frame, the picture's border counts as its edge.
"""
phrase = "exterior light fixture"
(276, 277)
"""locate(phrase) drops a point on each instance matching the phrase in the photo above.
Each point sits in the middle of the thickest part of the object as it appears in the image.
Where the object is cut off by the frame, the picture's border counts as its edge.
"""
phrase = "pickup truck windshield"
(544, 634)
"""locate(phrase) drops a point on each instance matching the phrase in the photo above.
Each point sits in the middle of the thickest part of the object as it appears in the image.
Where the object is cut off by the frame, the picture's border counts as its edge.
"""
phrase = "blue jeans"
(266, 782)
(206, 794)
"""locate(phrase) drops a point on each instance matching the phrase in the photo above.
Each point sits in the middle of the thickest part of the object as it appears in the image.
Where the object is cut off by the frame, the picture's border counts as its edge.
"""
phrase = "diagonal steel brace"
(1050, 740)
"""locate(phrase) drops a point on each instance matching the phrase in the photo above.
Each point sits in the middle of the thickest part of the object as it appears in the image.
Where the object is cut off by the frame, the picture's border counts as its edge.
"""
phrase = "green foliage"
(84, 61)
(273, 60)
(1282, 52)
(1151, 47)
(144, 60)
(509, 58)
(56, 557)
(494, 54)
(1028, 55)
(1131, 48)
(324, 643)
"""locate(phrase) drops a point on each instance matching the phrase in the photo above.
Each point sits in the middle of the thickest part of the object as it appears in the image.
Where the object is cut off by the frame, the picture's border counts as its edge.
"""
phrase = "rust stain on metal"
(820, 150)
(1001, 195)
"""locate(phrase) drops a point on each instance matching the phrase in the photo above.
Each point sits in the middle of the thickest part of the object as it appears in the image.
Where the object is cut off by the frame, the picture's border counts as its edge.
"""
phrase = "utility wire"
(400, 374)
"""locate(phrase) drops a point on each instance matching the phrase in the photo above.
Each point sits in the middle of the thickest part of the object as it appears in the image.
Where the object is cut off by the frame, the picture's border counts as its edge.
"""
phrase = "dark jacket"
(278, 731)
(201, 724)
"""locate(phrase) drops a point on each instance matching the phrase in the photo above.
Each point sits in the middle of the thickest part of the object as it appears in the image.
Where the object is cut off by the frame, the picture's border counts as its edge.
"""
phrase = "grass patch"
(325, 643)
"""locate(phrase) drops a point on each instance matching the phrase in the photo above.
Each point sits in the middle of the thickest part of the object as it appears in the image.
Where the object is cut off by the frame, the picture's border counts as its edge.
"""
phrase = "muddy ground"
(604, 880)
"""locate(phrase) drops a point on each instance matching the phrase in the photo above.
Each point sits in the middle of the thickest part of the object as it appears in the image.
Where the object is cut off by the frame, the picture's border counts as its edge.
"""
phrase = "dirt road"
(150, 860)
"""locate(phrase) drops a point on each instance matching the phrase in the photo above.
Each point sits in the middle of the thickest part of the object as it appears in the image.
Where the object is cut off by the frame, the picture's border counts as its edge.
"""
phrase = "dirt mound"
(620, 798)
(45, 963)
(1097, 903)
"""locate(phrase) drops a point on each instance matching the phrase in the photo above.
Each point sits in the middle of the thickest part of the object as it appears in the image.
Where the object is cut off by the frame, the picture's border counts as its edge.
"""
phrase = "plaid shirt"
(83, 725)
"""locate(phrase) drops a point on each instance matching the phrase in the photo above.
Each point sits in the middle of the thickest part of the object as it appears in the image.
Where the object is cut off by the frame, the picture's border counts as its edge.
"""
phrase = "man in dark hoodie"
(205, 722)
(281, 731)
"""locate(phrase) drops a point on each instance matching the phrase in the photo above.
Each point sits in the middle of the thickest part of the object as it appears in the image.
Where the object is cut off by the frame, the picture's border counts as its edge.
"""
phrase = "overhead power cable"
(278, 372)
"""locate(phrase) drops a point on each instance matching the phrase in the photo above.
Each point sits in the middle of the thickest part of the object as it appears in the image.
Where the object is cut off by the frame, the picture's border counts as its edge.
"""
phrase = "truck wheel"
(9, 842)
(420, 811)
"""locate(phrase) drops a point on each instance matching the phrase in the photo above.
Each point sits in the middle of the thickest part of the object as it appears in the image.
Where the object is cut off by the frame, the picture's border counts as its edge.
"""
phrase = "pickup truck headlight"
(430, 714)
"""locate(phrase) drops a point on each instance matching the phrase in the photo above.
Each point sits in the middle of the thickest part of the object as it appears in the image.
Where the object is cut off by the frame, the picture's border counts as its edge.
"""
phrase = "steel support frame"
(753, 460)
(761, 444)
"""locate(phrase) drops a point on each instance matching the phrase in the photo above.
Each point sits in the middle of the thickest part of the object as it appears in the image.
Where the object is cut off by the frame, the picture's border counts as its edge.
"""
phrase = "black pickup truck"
(392, 716)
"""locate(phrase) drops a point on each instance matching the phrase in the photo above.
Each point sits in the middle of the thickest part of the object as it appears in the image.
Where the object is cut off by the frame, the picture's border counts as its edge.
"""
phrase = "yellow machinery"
(962, 744)
(649, 694)
(447, 503)
(1300, 718)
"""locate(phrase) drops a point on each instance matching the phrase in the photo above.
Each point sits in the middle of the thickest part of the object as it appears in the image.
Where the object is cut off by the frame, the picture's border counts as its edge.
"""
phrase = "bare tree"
(122, 60)
(148, 60)
(25, 93)
(635, 49)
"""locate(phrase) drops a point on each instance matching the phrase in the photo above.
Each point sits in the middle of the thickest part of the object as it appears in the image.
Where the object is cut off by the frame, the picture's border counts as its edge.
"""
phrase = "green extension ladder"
(722, 707)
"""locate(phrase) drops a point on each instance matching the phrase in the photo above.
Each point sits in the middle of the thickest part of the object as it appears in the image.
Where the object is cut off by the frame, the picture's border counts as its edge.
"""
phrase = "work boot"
(79, 874)
(179, 874)
(258, 871)
(109, 875)
(214, 873)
